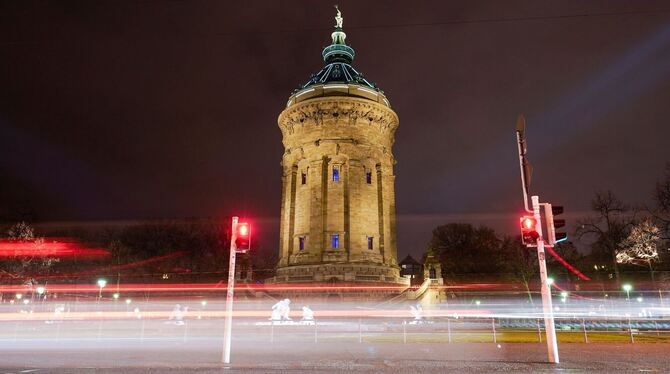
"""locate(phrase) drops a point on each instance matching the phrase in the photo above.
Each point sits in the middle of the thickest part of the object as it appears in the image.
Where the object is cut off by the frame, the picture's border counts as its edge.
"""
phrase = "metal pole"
(229, 295)
(449, 329)
(404, 332)
(550, 329)
(586, 337)
(630, 331)
(660, 296)
(493, 325)
(523, 164)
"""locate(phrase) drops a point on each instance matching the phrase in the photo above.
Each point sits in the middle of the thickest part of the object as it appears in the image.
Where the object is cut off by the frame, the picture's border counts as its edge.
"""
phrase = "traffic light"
(550, 212)
(243, 237)
(529, 234)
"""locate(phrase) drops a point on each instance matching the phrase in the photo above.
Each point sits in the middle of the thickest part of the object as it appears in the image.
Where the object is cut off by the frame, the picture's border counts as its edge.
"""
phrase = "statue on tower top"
(338, 18)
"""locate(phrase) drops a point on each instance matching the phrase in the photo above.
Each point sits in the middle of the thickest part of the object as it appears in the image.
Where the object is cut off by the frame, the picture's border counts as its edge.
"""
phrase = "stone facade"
(338, 217)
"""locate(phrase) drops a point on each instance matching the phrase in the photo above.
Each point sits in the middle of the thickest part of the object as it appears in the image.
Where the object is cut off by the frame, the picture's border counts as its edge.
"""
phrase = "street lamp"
(40, 292)
(101, 283)
(627, 287)
(115, 296)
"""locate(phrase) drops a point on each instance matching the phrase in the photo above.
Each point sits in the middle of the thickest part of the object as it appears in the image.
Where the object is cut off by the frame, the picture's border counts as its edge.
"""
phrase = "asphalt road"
(203, 356)
(132, 343)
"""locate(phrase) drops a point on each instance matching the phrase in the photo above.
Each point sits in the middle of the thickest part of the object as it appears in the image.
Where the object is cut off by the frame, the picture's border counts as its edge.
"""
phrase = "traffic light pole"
(525, 167)
(548, 309)
(228, 326)
(526, 171)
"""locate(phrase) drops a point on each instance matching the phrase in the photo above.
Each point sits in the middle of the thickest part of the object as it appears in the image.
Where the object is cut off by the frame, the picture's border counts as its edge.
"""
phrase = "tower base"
(345, 272)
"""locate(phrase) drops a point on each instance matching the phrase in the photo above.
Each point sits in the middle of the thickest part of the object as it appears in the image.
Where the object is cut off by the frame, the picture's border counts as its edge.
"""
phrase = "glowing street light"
(40, 292)
(550, 281)
(203, 303)
(128, 301)
(19, 296)
(101, 283)
(639, 299)
(115, 296)
(627, 287)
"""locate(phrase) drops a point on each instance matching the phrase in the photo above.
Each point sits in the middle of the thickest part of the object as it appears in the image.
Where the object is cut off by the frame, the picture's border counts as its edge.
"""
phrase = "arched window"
(336, 173)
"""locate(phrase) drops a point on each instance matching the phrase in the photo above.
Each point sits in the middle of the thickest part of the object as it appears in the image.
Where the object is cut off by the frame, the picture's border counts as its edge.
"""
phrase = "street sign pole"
(550, 329)
(229, 295)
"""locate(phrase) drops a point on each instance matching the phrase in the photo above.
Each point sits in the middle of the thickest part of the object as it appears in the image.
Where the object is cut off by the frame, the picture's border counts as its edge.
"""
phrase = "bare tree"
(661, 212)
(641, 246)
(609, 226)
(32, 262)
(520, 263)
(21, 232)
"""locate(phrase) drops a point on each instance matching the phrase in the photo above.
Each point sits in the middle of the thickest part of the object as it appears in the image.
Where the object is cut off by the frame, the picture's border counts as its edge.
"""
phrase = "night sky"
(113, 110)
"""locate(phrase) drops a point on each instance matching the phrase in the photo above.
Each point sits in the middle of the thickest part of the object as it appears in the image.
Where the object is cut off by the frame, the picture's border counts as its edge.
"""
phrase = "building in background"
(432, 268)
(412, 270)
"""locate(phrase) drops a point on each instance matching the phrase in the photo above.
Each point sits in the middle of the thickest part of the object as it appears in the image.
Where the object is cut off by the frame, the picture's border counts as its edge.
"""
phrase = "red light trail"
(50, 247)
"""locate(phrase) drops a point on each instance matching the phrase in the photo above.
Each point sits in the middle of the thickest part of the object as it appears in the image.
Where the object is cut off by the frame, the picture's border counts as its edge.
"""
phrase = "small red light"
(243, 229)
(528, 222)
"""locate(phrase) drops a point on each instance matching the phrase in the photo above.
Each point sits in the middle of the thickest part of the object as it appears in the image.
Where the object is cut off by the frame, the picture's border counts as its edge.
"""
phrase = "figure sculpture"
(338, 18)
(417, 312)
(307, 314)
(281, 310)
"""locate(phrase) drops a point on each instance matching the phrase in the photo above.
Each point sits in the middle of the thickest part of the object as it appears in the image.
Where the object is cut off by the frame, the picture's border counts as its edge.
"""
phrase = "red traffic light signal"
(243, 236)
(529, 234)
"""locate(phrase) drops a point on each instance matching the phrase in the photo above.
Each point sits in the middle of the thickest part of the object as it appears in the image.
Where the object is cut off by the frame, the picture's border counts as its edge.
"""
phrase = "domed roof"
(338, 70)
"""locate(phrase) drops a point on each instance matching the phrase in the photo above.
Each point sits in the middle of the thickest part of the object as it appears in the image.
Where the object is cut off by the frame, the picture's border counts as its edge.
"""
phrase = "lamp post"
(627, 287)
(40, 291)
(101, 284)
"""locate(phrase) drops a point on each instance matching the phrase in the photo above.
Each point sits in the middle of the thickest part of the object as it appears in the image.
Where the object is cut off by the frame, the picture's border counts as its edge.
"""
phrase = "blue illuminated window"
(336, 174)
(335, 241)
(301, 242)
(371, 242)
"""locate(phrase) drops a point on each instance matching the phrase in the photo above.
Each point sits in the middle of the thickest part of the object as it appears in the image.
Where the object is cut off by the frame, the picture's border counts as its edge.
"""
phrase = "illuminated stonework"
(338, 217)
